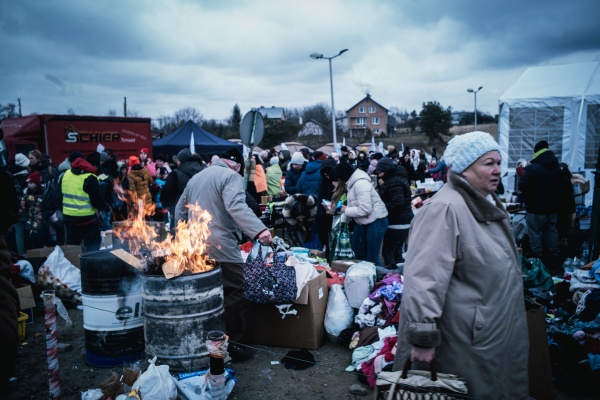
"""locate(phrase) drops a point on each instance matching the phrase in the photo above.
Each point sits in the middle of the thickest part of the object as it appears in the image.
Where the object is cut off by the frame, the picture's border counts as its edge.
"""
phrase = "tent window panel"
(592, 135)
(529, 125)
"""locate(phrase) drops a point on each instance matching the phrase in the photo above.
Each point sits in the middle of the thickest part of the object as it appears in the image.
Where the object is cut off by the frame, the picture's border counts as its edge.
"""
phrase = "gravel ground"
(258, 378)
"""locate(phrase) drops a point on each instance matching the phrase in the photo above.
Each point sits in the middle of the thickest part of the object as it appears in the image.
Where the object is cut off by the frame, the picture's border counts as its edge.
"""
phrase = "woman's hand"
(343, 208)
(422, 354)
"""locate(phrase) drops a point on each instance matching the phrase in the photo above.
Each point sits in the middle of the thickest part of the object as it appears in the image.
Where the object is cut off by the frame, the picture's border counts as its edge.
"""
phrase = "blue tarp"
(205, 143)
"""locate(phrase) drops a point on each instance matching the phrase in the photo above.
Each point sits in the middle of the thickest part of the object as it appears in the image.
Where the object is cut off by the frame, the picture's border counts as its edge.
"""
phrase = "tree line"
(434, 120)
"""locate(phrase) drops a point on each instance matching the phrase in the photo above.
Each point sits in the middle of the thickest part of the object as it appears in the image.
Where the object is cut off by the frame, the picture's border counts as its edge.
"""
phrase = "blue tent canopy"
(205, 143)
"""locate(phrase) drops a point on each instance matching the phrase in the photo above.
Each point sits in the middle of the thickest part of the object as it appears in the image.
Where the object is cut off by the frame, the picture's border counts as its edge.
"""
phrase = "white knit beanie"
(298, 158)
(21, 160)
(463, 150)
(274, 160)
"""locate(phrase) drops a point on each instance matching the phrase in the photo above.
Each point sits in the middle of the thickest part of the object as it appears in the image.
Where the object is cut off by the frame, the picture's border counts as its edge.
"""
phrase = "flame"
(186, 252)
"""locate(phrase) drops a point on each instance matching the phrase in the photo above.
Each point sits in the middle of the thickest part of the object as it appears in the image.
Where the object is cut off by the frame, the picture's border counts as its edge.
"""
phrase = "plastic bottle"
(585, 253)
(568, 267)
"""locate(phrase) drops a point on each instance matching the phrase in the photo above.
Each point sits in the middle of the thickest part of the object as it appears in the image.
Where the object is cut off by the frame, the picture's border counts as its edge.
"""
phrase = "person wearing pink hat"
(147, 162)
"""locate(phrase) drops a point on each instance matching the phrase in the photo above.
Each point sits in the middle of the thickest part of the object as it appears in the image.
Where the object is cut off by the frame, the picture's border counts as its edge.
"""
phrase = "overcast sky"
(164, 55)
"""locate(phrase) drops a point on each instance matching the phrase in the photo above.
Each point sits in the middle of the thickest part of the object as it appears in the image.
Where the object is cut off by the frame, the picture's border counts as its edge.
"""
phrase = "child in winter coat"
(32, 206)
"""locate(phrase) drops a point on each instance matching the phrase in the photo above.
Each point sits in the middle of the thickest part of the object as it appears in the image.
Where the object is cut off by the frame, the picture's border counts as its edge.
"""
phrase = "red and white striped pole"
(51, 344)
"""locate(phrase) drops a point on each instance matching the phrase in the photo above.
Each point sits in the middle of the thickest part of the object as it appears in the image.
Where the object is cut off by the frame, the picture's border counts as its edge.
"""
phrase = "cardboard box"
(318, 253)
(342, 265)
(71, 252)
(303, 325)
(26, 299)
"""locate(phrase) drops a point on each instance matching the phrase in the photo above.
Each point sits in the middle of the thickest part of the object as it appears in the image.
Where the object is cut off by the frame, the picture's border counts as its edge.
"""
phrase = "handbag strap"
(408, 363)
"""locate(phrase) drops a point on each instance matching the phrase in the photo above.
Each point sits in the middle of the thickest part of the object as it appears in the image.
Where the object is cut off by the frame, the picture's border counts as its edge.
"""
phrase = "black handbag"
(269, 284)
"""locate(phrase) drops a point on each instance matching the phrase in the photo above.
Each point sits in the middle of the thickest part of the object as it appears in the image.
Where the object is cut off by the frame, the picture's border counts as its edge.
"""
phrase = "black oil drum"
(178, 314)
(112, 310)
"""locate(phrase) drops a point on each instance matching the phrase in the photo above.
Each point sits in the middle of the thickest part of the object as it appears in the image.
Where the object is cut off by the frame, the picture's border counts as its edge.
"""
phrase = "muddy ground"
(257, 378)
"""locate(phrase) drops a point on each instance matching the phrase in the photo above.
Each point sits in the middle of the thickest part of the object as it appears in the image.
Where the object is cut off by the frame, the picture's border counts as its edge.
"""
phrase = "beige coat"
(220, 191)
(364, 203)
(463, 293)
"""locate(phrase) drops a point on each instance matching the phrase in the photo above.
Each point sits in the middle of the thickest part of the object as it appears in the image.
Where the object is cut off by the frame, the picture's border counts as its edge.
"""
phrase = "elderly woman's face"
(484, 173)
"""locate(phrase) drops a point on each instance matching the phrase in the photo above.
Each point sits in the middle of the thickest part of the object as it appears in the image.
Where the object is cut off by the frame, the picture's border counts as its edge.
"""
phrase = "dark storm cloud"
(513, 33)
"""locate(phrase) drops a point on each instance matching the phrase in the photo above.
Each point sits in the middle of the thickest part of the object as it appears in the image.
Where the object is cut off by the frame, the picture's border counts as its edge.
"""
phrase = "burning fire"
(183, 253)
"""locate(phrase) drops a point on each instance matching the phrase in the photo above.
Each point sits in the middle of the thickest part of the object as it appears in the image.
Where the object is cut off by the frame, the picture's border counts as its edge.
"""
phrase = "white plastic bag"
(156, 383)
(360, 280)
(62, 269)
(339, 314)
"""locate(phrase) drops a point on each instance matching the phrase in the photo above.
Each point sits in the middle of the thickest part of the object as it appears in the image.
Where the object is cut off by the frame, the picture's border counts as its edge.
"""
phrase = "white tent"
(559, 104)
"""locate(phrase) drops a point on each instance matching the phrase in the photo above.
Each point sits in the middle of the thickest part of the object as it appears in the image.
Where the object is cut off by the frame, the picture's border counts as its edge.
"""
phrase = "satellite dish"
(252, 128)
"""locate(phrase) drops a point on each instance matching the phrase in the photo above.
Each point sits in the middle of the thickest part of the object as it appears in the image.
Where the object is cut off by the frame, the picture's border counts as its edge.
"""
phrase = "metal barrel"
(178, 315)
(112, 310)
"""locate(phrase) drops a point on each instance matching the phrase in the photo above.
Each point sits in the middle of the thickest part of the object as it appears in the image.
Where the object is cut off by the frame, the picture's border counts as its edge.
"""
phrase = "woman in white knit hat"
(463, 299)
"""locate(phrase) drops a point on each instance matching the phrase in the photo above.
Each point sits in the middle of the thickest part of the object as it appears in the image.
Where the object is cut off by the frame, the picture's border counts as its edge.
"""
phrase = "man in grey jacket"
(219, 189)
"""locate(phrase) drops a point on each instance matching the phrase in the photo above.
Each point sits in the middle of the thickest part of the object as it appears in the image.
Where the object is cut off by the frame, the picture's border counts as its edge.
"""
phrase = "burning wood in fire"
(184, 253)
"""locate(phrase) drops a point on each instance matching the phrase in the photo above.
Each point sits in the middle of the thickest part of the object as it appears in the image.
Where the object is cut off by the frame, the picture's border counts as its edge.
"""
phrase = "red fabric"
(520, 170)
(81, 163)
(387, 352)
(246, 247)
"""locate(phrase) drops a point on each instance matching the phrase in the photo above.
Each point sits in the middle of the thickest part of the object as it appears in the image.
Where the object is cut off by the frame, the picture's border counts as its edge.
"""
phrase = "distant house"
(311, 127)
(271, 113)
(368, 115)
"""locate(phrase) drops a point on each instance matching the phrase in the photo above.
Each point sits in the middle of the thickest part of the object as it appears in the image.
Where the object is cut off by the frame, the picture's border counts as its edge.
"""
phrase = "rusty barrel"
(178, 314)
(112, 310)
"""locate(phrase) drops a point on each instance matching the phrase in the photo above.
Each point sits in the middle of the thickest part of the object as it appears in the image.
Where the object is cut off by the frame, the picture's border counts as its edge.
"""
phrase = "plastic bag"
(339, 244)
(62, 269)
(156, 382)
(360, 280)
(339, 314)
(535, 274)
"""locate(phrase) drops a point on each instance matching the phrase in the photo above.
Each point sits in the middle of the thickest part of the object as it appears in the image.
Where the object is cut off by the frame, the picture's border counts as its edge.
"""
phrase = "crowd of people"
(465, 226)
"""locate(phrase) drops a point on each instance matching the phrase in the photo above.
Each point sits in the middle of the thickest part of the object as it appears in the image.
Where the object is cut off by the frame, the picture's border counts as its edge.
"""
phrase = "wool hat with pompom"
(21, 160)
(35, 177)
(463, 150)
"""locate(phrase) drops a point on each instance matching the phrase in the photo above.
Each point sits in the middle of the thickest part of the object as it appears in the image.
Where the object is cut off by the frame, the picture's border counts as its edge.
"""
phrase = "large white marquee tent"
(559, 104)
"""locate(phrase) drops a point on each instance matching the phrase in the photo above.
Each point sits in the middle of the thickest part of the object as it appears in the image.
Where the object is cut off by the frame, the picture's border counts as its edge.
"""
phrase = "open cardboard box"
(303, 325)
(342, 265)
(71, 252)
(26, 299)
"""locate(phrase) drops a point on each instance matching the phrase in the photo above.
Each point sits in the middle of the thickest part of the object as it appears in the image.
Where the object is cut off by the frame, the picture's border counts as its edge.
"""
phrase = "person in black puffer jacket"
(188, 165)
(394, 190)
(546, 191)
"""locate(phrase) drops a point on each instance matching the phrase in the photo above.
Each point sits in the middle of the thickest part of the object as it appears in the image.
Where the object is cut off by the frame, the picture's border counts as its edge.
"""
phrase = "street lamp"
(317, 56)
(475, 95)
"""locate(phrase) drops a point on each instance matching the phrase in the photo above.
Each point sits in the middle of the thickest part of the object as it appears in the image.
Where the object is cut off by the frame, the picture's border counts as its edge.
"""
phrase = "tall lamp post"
(317, 56)
(475, 95)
